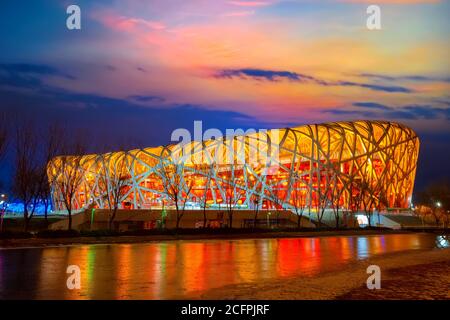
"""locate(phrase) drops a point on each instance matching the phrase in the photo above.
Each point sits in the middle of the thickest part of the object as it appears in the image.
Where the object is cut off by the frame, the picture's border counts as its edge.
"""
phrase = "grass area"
(13, 235)
(36, 223)
(39, 230)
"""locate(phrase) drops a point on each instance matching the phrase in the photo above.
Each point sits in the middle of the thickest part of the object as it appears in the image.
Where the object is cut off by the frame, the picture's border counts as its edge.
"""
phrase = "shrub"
(99, 233)
(58, 234)
(15, 235)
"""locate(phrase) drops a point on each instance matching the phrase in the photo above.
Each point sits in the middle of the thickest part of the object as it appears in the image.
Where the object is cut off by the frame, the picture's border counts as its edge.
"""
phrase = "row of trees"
(433, 203)
(333, 193)
(4, 135)
(31, 147)
(330, 191)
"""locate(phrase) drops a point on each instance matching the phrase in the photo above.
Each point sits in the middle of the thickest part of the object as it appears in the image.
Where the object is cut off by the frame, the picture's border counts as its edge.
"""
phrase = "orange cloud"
(122, 23)
(181, 54)
(391, 1)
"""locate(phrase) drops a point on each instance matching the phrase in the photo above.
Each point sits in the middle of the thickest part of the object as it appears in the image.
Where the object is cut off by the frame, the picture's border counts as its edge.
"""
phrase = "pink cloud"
(239, 14)
(250, 3)
(122, 23)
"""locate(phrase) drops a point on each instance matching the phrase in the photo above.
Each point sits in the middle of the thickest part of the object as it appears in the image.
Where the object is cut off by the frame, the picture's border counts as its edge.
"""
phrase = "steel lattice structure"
(331, 160)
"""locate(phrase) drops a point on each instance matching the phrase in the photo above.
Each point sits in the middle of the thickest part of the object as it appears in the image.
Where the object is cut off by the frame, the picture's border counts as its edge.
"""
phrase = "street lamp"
(438, 204)
(92, 217)
(3, 207)
(163, 215)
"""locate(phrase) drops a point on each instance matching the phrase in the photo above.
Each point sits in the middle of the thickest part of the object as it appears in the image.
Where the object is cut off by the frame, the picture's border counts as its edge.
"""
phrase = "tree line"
(31, 146)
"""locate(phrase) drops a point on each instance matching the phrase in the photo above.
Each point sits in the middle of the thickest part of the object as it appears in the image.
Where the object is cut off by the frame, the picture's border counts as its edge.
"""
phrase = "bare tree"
(34, 148)
(369, 194)
(336, 193)
(374, 196)
(322, 193)
(254, 184)
(298, 199)
(176, 188)
(432, 211)
(354, 197)
(4, 141)
(256, 199)
(382, 201)
(366, 198)
(233, 192)
(206, 172)
(4, 134)
(436, 200)
(67, 174)
(26, 175)
(52, 146)
(114, 179)
(277, 197)
(46, 197)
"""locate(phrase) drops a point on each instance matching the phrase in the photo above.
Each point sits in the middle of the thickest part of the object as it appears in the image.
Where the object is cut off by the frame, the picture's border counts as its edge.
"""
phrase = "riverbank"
(423, 274)
(124, 239)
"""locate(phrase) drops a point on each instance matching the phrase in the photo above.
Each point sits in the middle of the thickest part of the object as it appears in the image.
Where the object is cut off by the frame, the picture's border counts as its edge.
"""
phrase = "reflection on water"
(177, 269)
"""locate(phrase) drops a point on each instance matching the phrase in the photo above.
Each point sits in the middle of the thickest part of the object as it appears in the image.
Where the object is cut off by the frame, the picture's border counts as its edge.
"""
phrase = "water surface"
(182, 269)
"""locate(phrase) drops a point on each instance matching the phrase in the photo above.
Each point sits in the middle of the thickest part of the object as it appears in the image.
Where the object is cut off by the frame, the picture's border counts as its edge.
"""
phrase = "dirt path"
(407, 275)
(419, 282)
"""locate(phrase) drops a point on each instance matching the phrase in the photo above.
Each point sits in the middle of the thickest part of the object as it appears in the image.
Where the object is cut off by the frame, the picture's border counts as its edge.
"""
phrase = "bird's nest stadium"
(308, 166)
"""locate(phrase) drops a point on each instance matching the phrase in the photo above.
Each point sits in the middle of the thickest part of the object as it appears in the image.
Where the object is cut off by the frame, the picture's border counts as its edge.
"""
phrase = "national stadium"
(345, 166)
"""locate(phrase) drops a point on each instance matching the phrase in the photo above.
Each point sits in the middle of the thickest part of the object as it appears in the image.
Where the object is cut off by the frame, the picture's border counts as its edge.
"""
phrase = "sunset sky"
(139, 69)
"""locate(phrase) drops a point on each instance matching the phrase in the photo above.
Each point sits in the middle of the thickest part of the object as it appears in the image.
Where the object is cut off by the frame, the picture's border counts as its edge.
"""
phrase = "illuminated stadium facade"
(311, 166)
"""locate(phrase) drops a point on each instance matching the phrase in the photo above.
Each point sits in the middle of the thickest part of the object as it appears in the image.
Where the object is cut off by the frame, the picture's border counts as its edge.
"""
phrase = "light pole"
(438, 205)
(92, 217)
(163, 215)
(3, 206)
